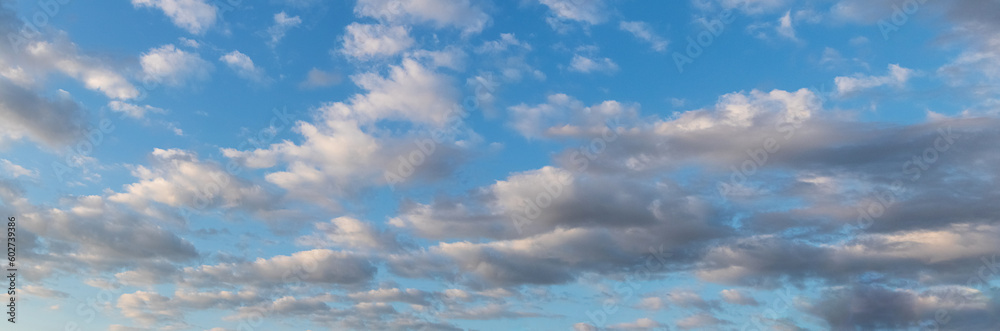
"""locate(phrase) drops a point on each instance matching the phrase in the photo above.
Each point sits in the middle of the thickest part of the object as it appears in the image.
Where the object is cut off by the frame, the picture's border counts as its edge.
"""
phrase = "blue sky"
(502, 165)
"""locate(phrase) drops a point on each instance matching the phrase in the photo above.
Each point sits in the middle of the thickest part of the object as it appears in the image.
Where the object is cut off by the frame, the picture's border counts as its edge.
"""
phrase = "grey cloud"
(52, 122)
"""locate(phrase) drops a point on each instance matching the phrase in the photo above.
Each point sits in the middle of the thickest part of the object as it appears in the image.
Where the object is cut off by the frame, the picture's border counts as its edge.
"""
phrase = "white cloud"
(244, 67)
(150, 308)
(62, 56)
(897, 77)
(410, 92)
(451, 57)
(368, 40)
(461, 14)
(318, 266)
(585, 64)
(282, 23)
(195, 16)
(343, 151)
(785, 28)
(178, 178)
(562, 115)
(588, 11)
(14, 171)
(742, 110)
(172, 66)
(131, 110)
(347, 232)
(644, 32)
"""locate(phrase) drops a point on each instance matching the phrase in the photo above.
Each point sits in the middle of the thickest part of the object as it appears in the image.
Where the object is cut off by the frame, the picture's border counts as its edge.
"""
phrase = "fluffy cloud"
(244, 67)
(897, 77)
(368, 40)
(874, 306)
(151, 308)
(341, 151)
(318, 266)
(562, 115)
(89, 235)
(177, 178)
(14, 171)
(585, 64)
(410, 92)
(282, 23)
(95, 76)
(195, 16)
(350, 233)
(172, 66)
